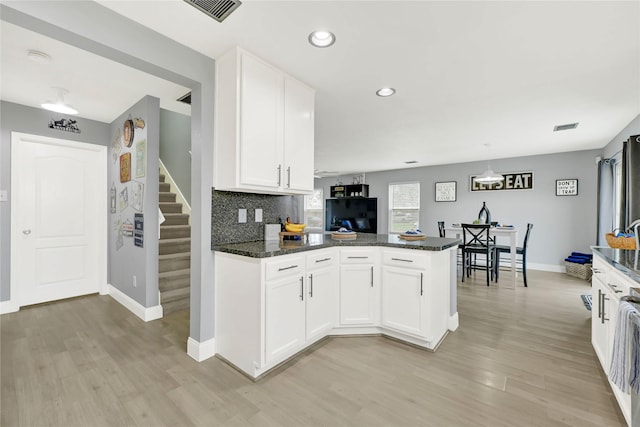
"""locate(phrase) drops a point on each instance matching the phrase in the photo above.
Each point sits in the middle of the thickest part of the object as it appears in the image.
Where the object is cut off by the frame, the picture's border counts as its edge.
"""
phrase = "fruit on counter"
(291, 226)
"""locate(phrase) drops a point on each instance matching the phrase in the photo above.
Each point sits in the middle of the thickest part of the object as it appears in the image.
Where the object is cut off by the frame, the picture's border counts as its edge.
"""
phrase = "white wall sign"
(566, 187)
(446, 191)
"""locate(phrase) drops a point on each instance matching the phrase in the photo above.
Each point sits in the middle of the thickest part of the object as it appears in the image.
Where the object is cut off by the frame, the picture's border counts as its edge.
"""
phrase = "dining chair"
(441, 228)
(520, 250)
(476, 240)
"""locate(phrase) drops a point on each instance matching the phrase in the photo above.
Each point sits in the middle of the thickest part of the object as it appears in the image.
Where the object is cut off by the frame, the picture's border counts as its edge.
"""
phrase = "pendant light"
(59, 106)
(489, 176)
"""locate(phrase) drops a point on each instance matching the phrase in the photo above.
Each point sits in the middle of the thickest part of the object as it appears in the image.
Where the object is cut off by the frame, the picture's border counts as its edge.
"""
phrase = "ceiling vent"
(565, 127)
(185, 98)
(217, 9)
(411, 162)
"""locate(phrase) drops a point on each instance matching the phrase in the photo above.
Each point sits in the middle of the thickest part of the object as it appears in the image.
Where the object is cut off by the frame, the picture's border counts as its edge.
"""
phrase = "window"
(314, 210)
(617, 192)
(404, 206)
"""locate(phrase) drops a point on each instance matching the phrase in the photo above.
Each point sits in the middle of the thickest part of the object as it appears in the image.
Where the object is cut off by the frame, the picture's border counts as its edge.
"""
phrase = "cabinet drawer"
(405, 259)
(284, 267)
(618, 282)
(357, 256)
(321, 259)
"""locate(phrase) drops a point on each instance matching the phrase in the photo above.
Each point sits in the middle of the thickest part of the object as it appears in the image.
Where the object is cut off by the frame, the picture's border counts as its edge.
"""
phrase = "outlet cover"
(242, 216)
(258, 215)
(3, 196)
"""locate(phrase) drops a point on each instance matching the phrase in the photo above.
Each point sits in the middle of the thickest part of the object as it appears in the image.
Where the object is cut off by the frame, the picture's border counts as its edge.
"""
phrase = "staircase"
(174, 252)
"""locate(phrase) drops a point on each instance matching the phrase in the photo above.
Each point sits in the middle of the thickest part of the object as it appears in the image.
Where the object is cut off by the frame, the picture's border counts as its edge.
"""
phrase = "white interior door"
(58, 218)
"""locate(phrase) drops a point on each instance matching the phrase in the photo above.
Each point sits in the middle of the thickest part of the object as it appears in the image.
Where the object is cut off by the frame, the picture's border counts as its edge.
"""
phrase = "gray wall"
(94, 28)
(20, 118)
(224, 214)
(615, 146)
(127, 260)
(175, 143)
(561, 224)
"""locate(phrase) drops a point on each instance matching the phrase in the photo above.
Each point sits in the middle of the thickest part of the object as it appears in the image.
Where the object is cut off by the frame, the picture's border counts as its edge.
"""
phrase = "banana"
(294, 227)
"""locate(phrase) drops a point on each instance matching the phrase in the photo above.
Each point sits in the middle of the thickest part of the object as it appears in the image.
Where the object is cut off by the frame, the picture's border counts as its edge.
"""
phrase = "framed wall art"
(446, 191)
(566, 187)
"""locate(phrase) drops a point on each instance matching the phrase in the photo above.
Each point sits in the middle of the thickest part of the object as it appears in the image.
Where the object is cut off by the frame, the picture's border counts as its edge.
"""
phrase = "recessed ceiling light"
(39, 57)
(322, 38)
(385, 91)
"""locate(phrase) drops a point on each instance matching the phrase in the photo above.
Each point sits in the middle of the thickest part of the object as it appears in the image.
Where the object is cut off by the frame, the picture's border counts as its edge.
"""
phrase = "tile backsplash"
(224, 214)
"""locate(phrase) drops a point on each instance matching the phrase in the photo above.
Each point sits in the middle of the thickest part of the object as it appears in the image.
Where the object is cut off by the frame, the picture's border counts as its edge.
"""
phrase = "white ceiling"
(466, 73)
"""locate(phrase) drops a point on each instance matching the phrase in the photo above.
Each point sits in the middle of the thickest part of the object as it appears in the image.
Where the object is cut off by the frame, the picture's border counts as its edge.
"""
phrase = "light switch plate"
(258, 215)
(242, 216)
(3, 196)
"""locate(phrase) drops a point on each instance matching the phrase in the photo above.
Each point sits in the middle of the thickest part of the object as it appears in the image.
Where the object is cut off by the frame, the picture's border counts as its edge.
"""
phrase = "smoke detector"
(216, 9)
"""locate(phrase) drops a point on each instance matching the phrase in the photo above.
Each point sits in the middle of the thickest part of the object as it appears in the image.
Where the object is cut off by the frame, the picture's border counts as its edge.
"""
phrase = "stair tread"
(175, 226)
(175, 214)
(176, 255)
(175, 294)
(177, 240)
(175, 273)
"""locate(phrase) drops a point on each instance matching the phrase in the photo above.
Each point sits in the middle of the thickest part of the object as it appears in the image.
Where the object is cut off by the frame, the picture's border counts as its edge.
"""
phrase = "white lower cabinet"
(321, 294)
(403, 306)
(284, 317)
(359, 289)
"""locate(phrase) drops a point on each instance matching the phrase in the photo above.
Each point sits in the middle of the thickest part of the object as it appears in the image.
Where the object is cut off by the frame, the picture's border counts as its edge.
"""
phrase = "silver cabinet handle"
(279, 174)
(596, 270)
(26, 232)
(604, 298)
(421, 280)
(301, 288)
(358, 257)
(599, 304)
(289, 177)
(287, 268)
(400, 259)
(372, 276)
(311, 286)
(323, 260)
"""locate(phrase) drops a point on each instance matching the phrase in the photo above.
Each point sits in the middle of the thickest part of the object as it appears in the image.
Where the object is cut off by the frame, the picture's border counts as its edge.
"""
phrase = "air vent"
(565, 127)
(185, 98)
(410, 162)
(217, 9)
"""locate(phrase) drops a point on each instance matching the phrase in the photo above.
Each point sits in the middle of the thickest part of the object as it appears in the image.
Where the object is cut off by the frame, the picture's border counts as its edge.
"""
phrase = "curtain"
(606, 200)
(630, 200)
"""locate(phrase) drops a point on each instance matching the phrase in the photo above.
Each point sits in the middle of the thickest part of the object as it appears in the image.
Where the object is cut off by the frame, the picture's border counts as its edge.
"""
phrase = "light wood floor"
(519, 358)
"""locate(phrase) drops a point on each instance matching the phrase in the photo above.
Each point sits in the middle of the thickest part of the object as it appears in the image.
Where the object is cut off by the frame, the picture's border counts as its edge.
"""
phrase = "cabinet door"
(261, 131)
(321, 301)
(284, 317)
(403, 300)
(298, 136)
(357, 295)
(599, 326)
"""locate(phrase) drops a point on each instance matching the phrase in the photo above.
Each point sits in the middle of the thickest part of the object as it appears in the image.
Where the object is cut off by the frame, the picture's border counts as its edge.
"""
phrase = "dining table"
(497, 231)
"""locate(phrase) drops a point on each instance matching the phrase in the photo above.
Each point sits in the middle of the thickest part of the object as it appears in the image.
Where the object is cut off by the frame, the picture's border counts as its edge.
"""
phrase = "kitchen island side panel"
(239, 310)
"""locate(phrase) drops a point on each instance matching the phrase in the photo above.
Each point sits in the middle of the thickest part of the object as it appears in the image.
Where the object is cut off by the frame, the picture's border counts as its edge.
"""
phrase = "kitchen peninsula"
(274, 299)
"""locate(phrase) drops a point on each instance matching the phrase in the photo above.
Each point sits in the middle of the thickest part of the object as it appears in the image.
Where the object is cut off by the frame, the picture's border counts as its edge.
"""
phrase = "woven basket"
(620, 242)
(581, 271)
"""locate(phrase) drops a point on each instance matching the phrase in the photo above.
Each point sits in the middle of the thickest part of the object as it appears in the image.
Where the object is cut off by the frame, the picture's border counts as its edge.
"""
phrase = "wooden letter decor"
(512, 181)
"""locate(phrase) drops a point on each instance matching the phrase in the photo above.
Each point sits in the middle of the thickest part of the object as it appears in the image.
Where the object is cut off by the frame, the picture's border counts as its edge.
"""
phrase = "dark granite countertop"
(264, 249)
(625, 261)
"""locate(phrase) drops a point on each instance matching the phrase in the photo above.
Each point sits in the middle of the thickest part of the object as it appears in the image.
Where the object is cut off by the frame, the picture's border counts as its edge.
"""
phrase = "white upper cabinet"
(264, 128)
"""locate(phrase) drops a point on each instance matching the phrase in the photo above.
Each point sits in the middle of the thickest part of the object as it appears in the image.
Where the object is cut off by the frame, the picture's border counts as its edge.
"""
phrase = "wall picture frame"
(567, 187)
(446, 191)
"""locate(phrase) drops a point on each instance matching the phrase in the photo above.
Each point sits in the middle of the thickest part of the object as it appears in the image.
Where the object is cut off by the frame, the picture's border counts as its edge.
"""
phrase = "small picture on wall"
(125, 167)
(124, 199)
(137, 195)
(127, 130)
(566, 187)
(141, 158)
(446, 191)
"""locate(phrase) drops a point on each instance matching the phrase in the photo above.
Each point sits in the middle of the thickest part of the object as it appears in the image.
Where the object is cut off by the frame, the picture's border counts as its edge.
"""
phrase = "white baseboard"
(453, 322)
(7, 307)
(200, 351)
(145, 313)
(547, 267)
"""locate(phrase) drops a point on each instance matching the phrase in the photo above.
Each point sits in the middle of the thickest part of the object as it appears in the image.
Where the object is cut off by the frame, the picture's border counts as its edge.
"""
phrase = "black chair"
(476, 240)
(522, 251)
(441, 228)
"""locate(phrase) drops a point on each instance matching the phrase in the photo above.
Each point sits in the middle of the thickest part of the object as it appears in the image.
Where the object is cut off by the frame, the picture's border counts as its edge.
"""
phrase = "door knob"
(26, 232)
